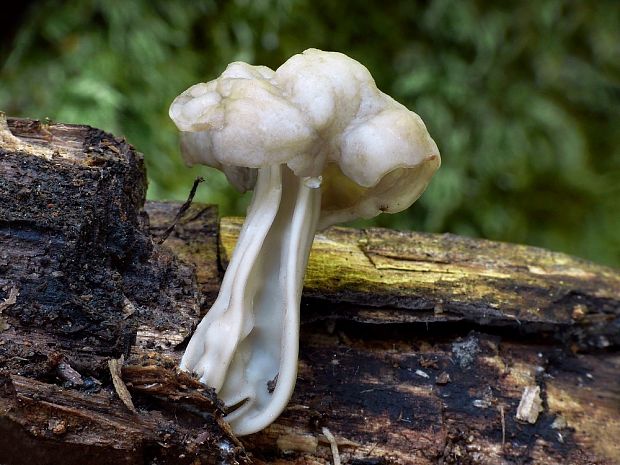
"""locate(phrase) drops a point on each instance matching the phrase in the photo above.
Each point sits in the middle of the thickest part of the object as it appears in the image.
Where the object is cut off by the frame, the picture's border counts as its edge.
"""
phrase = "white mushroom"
(319, 144)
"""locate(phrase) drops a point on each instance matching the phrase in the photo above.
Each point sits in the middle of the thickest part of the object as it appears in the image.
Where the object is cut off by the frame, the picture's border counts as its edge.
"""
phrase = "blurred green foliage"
(523, 98)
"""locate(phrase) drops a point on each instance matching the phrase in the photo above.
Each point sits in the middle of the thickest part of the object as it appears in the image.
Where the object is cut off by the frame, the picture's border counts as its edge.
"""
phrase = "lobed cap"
(321, 114)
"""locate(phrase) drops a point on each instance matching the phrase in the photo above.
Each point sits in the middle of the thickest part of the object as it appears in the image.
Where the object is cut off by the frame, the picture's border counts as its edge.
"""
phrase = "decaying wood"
(378, 275)
(83, 284)
(415, 348)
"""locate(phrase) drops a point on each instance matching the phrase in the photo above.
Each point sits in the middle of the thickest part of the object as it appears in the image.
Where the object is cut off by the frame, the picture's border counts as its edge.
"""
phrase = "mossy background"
(523, 98)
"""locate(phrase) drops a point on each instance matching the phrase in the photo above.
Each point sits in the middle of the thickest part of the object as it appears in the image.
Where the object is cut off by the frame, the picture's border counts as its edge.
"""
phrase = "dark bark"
(90, 286)
(416, 348)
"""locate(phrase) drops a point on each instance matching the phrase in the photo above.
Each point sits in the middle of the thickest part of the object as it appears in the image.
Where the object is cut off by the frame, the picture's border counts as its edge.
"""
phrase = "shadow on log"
(415, 348)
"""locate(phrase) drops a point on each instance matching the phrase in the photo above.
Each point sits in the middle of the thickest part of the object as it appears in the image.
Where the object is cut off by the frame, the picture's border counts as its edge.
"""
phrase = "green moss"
(482, 280)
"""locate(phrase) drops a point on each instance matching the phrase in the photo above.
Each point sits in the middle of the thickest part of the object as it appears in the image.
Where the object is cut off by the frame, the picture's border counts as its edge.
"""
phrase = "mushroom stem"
(246, 346)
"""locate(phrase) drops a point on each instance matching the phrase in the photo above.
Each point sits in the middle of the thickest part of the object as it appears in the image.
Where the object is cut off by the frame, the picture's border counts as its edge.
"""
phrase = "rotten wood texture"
(82, 284)
(415, 348)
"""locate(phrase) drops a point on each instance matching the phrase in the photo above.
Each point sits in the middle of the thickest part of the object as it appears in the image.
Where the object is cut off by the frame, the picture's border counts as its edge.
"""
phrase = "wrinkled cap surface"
(320, 113)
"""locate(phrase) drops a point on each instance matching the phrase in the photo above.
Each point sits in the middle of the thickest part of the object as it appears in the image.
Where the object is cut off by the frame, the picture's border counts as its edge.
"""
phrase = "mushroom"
(319, 144)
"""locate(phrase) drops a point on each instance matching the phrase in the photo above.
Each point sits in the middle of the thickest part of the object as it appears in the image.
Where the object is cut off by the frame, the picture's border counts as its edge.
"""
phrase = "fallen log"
(415, 348)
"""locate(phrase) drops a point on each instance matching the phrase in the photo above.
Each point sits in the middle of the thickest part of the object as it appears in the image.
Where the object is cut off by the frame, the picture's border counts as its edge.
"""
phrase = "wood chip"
(530, 406)
(333, 444)
(122, 391)
(128, 307)
(297, 443)
(58, 427)
(10, 300)
(69, 374)
(428, 362)
(442, 378)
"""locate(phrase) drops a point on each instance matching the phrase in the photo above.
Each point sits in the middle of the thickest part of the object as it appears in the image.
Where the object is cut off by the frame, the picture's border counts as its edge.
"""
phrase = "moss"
(478, 280)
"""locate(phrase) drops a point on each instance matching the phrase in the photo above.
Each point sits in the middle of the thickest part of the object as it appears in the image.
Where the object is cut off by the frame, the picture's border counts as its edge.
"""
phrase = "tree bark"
(415, 348)
(83, 284)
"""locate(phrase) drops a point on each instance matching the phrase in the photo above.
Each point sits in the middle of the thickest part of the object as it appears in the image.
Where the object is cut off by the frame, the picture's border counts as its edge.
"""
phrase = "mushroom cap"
(320, 113)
